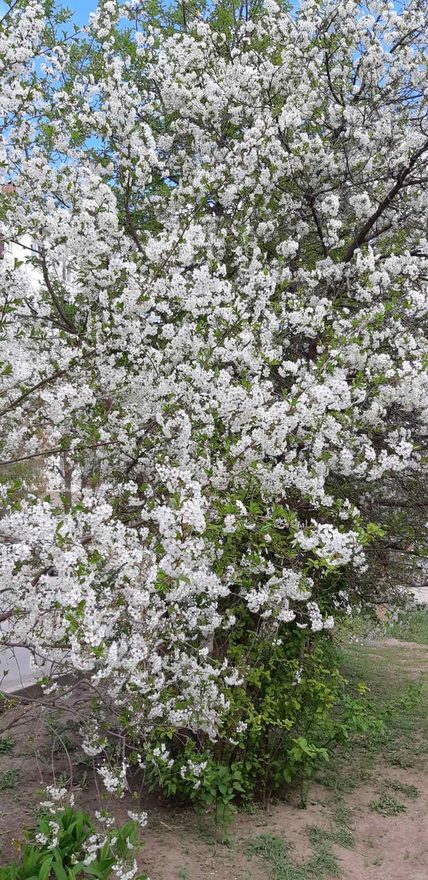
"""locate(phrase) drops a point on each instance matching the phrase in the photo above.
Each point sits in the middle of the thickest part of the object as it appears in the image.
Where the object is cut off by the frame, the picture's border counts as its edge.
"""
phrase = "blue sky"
(81, 9)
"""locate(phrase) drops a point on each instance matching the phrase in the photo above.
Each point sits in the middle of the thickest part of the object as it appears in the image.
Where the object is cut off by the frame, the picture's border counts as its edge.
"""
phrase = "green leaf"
(45, 868)
(58, 868)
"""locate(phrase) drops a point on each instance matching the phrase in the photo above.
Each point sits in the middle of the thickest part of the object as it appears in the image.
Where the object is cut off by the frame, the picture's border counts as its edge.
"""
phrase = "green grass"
(397, 695)
(411, 626)
(274, 851)
(323, 863)
(9, 779)
(343, 837)
(387, 805)
(6, 745)
(340, 831)
(409, 791)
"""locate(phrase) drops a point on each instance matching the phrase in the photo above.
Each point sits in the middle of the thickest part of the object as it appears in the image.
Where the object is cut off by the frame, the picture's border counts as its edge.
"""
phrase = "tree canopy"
(213, 426)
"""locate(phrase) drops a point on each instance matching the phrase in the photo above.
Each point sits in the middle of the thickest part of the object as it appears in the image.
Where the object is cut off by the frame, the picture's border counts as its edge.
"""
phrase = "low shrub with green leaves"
(66, 845)
(296, 710)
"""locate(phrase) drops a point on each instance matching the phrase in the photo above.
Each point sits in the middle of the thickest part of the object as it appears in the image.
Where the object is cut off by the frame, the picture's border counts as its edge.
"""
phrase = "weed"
(273, 850)
(387, 805)
(342, 815)
(249, 807)
(338, 782)
(323, 864)
(339, 831)
(206, 834)
(65, 780)
(9, 779)
(343, 837)
(409, 791)
(6, 745)
(183, 873)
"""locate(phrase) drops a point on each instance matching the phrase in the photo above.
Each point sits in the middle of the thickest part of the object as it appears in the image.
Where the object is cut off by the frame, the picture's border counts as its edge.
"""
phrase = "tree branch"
(43, 382)
(68, 324)
(361, 237)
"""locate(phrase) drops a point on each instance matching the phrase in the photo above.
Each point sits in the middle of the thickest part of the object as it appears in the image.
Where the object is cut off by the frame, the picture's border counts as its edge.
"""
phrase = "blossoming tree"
(199, 418)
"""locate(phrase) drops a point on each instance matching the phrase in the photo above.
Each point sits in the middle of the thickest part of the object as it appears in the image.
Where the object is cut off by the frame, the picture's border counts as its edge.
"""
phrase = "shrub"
(296, 706)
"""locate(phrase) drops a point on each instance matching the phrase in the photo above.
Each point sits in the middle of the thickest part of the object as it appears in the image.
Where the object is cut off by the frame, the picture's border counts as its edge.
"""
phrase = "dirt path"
(393, 847)
(386, 847)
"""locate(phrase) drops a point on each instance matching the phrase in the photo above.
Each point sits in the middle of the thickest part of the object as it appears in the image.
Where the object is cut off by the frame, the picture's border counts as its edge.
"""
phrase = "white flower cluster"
(114, 778)
(237, 352)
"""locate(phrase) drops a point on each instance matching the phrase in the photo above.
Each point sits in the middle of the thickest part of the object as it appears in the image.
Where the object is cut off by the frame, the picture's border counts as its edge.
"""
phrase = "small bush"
(298, 709)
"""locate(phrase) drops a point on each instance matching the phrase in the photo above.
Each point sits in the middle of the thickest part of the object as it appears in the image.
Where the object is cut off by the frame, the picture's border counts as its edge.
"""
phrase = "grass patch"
(9, 779)
(398, 698)
(340, 834)
(343, 837)
(340, 831)
(387, 805)
(275, 852)
(411, 626)
(6, 745)
(323, 863)
(409, 791)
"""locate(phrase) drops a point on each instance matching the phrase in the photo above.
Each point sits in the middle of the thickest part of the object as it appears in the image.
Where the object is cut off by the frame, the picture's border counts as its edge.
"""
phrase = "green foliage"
(387, 805)
(206, 783)
(221, 785)
(409, 791)
(6, 745)
(9, 779)
(411, 626)
(58, 849)
(274, 851)
(279, 731)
